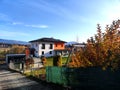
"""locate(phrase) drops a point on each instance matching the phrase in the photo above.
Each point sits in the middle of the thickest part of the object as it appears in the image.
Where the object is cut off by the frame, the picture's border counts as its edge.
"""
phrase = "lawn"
(50, 61)
(39, 73)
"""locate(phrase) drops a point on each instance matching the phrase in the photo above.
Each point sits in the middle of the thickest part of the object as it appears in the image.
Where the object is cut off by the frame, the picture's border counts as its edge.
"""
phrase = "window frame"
(43, 52)
(43, 46)
(50, 52)
(51, 46)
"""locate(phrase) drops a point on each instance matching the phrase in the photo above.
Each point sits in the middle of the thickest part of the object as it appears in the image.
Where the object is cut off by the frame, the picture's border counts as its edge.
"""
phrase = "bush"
(101, 50)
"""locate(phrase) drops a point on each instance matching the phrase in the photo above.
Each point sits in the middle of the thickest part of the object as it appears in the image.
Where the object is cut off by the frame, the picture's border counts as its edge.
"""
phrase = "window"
(51, 46)
(50, 52)
(42, 52)
(61, 45)
(43, 46)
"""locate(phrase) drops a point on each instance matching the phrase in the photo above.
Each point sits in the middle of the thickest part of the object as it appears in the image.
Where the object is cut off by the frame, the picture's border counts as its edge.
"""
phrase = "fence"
(91, 77)
(85, 78)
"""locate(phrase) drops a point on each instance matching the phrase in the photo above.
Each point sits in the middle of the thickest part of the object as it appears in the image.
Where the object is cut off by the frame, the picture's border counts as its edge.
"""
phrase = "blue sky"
(27, 20)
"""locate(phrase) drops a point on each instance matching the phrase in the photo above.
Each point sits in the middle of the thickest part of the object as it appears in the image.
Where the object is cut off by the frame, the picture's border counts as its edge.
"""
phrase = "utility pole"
(77, 39)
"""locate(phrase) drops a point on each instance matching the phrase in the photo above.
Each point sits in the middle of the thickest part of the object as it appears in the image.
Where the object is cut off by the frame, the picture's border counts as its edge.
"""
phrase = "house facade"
(43, 48)
(47, 46)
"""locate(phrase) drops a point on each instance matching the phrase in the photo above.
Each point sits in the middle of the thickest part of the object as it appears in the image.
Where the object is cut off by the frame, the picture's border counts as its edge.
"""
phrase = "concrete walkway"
(10, 80)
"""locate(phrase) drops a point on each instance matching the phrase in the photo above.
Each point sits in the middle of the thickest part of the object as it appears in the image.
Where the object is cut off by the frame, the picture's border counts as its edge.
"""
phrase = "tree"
(16, 49)
(101, 50)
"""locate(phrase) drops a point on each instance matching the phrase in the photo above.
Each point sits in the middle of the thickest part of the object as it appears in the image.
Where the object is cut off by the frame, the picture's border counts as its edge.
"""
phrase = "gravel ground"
(10, 80)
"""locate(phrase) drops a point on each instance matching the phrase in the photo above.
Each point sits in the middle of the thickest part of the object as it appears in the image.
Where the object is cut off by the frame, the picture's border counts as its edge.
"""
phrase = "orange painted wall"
(59, 46)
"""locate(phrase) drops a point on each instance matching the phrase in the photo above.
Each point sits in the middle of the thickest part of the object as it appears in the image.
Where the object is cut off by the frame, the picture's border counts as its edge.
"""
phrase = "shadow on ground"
(11, 80)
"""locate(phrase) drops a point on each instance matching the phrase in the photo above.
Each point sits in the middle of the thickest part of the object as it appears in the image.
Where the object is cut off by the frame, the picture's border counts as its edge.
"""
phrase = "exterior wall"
(38, 49)
(35, 45)
(46, 50)
(59, 46)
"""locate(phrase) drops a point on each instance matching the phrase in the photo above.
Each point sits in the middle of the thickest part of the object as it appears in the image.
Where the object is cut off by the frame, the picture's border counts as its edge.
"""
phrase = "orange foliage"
(29, 63)
(101, 50)
(44, 61)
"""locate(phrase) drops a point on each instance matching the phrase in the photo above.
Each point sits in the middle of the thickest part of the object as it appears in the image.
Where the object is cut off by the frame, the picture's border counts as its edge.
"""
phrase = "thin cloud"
(56, 9)
(37, 26)
(12, 34)
(17, 23)
(30, 25)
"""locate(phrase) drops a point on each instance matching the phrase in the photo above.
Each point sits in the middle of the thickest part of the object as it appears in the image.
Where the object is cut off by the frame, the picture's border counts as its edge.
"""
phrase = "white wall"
(47, 49)
(38, 48)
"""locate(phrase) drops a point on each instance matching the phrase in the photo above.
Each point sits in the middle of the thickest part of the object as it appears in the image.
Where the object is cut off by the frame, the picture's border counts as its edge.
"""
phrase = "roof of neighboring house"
(5, 41)
(47, 40)
(72, 43)
(79, 45)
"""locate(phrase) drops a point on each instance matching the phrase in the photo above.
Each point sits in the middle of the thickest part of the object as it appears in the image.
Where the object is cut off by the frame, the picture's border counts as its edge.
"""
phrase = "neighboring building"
(16, 58)
(79, 46)
(47, 46)
(75, 46)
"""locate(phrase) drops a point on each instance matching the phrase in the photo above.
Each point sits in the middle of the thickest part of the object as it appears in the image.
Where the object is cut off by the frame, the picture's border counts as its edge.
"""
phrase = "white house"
(45, 46)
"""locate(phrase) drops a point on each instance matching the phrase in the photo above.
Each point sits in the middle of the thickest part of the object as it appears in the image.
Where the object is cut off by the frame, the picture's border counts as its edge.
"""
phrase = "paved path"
(15, 81)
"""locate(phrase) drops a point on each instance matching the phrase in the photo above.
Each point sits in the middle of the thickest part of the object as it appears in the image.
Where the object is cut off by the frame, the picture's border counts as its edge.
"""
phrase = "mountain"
(5, 41)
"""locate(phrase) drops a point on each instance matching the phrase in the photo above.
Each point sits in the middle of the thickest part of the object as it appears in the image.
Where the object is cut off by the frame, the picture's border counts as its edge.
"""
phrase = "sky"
(68, 20)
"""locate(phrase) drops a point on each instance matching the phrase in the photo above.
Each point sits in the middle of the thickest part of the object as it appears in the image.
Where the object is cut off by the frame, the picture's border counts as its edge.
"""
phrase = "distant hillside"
(5, 41)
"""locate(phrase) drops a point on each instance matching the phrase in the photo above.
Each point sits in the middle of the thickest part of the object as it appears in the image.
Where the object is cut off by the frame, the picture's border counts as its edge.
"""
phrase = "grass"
(41, 72)
(50, 61)
(38, 72)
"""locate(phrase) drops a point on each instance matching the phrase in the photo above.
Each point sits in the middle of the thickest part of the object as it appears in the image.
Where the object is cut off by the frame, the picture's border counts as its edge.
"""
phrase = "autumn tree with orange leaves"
(101, 50)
